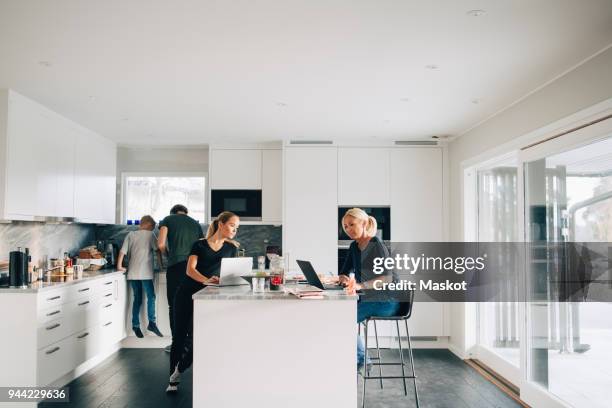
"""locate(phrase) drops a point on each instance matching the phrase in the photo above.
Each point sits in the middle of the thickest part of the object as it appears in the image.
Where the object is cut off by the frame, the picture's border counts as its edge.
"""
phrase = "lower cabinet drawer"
(83, 313)
(111, 331)
(55, 360)
(53, 331)
(86, 345)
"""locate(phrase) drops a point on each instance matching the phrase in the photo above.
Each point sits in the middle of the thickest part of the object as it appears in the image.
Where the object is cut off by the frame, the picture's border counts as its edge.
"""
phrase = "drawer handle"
(54, 298)
(82, 336)
(53, 313)
(108, 294)
(53, 326)
(84, 303)
(109, 305)
(83, 290)
(53, 350)
(108, 324)
(108, 283)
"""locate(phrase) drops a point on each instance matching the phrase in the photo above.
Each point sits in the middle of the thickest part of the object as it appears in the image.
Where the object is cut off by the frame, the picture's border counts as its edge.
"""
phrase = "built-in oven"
(382, 215)
(244, 203)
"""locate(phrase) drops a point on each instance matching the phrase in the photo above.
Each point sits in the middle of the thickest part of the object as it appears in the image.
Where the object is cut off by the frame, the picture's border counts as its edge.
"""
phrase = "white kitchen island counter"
(274, 350)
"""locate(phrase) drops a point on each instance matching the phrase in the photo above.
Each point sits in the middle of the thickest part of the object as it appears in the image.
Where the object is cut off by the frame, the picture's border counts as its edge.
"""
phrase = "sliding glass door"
(498, 323)
(568, 198)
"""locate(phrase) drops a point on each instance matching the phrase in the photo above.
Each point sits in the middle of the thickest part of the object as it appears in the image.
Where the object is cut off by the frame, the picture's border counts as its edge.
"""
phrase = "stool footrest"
(389, 377)
(391, 364)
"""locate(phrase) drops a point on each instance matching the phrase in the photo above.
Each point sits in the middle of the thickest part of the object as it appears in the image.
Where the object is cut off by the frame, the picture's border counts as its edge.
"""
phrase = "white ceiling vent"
(416, 143)
(311, 142)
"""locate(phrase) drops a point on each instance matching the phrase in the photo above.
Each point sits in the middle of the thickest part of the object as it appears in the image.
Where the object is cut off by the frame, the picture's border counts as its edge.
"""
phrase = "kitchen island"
(274, 350)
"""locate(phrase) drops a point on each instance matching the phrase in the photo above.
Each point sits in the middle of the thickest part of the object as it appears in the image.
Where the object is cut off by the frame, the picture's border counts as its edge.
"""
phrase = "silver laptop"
(232, 270)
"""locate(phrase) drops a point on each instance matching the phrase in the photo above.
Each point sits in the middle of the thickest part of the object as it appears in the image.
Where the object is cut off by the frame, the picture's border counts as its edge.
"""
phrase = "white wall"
(583, 87)
(159, 159)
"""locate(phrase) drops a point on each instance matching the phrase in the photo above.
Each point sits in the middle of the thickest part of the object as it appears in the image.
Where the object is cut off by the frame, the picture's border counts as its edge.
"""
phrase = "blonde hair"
(358, 213)
(224, 217)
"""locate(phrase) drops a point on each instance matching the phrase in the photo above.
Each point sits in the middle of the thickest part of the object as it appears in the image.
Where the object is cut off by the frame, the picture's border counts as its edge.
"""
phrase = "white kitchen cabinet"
(38, 151)
(310, 210)
(272, 186)
(417, 208)
(95, 170)
(363, 176)
(235, 169)
(58, 330)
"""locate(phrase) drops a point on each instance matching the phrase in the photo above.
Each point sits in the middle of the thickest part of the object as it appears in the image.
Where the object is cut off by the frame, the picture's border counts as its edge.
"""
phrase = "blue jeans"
(137, 289)
(369, 309)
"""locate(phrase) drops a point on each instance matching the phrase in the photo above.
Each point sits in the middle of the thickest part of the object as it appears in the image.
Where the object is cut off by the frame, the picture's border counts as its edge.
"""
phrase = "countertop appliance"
(244, 203)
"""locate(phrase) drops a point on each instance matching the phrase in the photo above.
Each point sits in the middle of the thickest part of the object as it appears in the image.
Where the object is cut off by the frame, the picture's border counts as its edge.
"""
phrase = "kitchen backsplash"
(45, 239)
(253, 238)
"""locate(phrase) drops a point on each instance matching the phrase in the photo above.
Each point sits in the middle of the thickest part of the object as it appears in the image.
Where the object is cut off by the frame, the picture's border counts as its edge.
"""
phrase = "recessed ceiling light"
(45, 64)
(125, 118)
(405, 99)
(476, 13)
(431, 66)
(91, 98)
(281, 104)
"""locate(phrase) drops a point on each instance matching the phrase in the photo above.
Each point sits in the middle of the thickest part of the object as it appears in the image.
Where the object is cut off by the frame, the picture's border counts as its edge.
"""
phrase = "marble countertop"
(244, 292)
(43, 285)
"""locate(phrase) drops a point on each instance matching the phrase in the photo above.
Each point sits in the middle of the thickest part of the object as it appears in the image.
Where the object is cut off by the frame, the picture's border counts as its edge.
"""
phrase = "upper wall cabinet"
(417, 195)
(235, 169)
(363, 176)
(39, 151)
(250, 169)
(272, 185)
(95, 170)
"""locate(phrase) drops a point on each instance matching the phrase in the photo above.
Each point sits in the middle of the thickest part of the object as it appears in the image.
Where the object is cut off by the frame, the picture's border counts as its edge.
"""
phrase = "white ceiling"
(192, 72)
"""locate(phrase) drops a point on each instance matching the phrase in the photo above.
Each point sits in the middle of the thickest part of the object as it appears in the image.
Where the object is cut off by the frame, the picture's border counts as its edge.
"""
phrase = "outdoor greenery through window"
(155, 195)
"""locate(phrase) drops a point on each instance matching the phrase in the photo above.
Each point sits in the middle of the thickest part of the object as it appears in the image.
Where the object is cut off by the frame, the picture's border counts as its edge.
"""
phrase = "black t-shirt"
(362, 262)
(209, 261)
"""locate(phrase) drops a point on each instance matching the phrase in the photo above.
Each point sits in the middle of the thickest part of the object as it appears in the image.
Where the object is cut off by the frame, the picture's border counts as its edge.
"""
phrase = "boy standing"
(140, 246)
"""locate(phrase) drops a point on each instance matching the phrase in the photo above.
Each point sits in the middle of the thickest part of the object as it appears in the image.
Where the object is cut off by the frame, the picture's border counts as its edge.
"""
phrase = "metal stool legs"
(416, 392)
(402, 363)
(365, 362)
(378, 355)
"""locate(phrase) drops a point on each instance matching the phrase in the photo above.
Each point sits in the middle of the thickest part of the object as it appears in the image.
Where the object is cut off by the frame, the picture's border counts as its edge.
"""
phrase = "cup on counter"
(78, 271)
(259, 284)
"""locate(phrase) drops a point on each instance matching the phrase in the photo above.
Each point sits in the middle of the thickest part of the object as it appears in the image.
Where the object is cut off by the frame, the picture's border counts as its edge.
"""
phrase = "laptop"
(313, 278)
(232, 270)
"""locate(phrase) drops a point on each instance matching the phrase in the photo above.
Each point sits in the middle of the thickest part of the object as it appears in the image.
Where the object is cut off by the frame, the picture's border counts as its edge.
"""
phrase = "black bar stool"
(403, 314)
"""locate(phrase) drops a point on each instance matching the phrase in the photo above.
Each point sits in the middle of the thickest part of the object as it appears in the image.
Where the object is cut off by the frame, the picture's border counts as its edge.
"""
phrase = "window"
(155, 195)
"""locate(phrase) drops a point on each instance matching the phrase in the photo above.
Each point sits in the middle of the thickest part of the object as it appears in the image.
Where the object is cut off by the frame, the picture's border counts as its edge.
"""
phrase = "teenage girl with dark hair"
(203, 267)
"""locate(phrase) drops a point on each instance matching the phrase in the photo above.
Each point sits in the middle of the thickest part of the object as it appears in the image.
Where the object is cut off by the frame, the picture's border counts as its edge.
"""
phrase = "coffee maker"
(18, 268)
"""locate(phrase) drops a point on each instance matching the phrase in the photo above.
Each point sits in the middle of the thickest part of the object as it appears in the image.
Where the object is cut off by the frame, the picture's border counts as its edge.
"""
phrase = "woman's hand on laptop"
(212, 280)
(343, 280)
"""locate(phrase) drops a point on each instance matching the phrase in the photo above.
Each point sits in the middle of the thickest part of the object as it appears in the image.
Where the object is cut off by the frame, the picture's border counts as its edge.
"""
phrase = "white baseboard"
(457, 351)
(146, 342)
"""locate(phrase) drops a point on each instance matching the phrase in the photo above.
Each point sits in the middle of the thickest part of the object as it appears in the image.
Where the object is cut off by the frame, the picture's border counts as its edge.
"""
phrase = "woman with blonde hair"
(203, 267)
(361, 228)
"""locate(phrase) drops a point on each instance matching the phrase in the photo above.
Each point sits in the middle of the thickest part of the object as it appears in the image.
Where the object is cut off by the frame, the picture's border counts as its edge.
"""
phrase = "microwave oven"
(244, 203)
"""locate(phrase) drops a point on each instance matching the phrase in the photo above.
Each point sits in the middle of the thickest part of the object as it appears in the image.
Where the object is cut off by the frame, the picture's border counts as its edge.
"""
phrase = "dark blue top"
(362, 262)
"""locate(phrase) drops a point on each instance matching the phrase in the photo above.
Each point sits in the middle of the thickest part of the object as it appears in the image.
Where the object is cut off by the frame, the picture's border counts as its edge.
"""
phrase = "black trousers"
(174, 275)
(181, 353)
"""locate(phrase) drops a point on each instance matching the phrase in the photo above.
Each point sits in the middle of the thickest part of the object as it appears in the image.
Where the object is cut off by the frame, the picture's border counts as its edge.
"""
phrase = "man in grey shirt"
(140, 246)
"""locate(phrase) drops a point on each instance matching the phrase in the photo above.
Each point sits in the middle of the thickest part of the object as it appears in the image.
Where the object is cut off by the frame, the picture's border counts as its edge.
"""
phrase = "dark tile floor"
(137, 378)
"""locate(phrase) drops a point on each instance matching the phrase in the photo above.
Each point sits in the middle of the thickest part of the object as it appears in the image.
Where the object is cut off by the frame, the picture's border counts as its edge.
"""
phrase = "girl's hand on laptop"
(212, 280)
